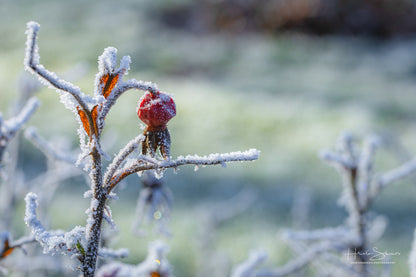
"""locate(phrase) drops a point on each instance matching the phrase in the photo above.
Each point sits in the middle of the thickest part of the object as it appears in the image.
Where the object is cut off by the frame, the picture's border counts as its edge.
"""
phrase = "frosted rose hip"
(155, 110)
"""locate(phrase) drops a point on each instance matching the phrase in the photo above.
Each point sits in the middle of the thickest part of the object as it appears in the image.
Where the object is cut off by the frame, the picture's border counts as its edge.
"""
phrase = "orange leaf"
(154, 274)
(84, 120)
(7, 253)
(109, 82)
(7, 250)
(94, 114)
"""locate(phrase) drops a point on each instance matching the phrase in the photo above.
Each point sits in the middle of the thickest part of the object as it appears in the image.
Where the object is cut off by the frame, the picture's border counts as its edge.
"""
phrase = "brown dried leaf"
(108, 81)
(94, 114)
(84, 120)
(7, 250)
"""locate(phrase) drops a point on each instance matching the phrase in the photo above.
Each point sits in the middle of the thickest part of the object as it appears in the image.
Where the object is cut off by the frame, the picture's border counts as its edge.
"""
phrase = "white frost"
(53, 242)
(248, 267)
(155, 262)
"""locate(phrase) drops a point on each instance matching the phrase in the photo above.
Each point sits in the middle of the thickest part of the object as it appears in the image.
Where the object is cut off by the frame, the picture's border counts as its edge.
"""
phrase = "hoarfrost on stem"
(248, 267)
(155, 262)
(53, 242)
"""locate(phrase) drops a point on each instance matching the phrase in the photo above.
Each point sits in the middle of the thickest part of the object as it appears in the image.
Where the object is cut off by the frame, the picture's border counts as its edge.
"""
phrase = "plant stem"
(360, 224)
(95, 217)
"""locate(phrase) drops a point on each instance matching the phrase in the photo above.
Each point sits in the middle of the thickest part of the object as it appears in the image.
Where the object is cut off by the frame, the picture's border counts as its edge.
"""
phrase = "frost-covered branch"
(212, 159)
(247, 268)
(9, 128)
(113, 254)
(331, 234)
(397, 173)
(123, 87)
(155, 264)
(32, 63)
(121, 157)
(33, 136)
(299, 262)
(53, 242)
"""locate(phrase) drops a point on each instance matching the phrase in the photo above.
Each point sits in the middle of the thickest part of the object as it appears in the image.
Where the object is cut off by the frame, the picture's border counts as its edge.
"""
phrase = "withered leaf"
(84, 120)
(108, 82)
(7, 250)
(86, 124)
(94, 114)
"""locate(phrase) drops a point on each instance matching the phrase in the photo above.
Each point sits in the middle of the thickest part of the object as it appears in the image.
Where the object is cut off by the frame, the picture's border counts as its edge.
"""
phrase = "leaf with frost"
(5, 248)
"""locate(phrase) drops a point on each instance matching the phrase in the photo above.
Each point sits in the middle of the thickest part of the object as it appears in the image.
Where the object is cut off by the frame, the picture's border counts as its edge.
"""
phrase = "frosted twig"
(32, 64)
(331, 234)
(10, 127)
(397, 173)
(247, 268)
(212, 159)
(365, 168)
(113, 254)
(376, 228)
(52, 241)
(346, 145)
(336, 159)
(22, 241)
(155, 264)
(299, 262)
(123, 87)
(130, 147)
(33, 136)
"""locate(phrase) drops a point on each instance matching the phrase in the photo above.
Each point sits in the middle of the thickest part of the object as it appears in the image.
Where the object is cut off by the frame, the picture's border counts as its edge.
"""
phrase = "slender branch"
(212, 159)
(22, 241)
(332, 234)
(95, 215)
(248, 267)
(32, 64)
(298, 263)
(121, 156)
(33, 136)
(123, 87)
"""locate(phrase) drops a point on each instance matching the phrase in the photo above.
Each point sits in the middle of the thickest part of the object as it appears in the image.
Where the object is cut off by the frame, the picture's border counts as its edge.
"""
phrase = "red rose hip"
(155, 110)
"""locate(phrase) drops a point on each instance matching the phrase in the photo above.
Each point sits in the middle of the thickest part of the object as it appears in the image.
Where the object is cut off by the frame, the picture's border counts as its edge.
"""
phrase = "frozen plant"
(155, 109)
(11, 181)
(155, 265)
(346, 250)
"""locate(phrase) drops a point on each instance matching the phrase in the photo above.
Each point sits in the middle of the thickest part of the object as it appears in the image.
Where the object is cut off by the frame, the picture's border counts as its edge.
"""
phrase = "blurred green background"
(286, 83)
